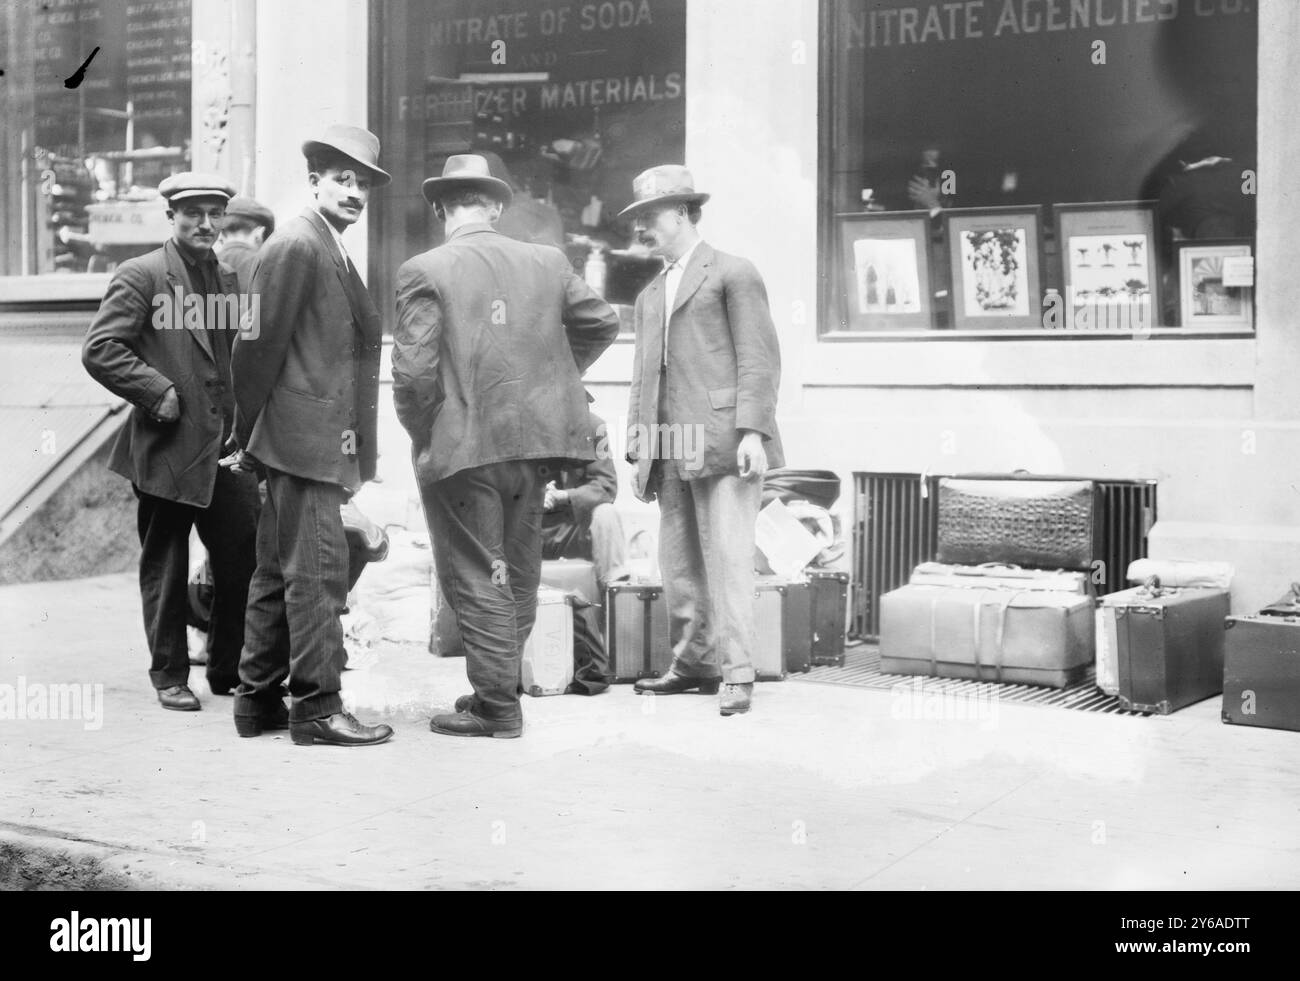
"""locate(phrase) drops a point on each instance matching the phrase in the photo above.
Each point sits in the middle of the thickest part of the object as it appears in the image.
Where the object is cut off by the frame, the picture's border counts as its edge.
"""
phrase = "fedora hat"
(354, 143)
(666, 184)
(466, 170)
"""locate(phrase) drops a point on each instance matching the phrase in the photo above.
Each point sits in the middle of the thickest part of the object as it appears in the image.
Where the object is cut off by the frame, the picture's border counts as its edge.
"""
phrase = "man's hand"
(924, 194)
(237, 461)
(168, 408)
(554, 498)
(751, 456)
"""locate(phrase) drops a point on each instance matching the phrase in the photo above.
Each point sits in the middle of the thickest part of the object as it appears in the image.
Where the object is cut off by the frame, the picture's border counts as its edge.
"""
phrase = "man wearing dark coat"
(248, 225)
(492, 338)
(306, 392)
(580, 520)
(162, 341)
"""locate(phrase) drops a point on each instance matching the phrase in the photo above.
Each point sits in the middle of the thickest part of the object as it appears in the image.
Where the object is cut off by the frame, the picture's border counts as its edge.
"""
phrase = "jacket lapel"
(364, 315)
(693, 275)
(178, 283)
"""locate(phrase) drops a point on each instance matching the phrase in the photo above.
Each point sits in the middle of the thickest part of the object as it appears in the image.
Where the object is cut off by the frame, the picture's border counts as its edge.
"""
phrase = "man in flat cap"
(248, 225)
(306, 392)
(162, 341)
(703, 432)
(493, 336)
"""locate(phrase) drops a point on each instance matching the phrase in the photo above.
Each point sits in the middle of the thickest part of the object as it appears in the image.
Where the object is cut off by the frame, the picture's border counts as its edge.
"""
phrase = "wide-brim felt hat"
(467, 171)
(354, 143)
(663, 185)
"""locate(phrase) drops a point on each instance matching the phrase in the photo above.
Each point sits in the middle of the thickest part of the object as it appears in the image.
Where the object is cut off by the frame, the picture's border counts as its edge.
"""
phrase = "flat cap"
(253, 210)
(189, 184)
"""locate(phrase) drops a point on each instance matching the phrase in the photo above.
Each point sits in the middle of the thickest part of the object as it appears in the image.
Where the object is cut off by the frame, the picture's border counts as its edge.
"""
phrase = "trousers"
(227, 527)
(706, 556)
(485, 523)
(292, 630)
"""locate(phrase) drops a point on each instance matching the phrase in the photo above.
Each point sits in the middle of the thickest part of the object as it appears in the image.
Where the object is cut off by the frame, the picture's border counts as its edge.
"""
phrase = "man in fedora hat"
(703, 432)
(248, 225)
(178, 381)
(306, 388)
(492, 338)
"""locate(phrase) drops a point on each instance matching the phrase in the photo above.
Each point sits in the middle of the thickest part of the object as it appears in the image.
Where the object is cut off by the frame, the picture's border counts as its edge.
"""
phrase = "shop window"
(80, 163)
(569, 101)
(1058, 167)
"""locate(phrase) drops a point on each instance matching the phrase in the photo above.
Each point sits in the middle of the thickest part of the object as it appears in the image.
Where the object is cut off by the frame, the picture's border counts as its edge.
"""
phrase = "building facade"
(895, 359)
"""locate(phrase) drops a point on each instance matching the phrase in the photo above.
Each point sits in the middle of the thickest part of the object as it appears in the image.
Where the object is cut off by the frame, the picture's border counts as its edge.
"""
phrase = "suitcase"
(548, 653)
(572, 576)
(991, 575)
(1028, 637)
(636, 631)
(829, 595)
(1261, 667)
(1052, 524)
(1182, 572)
(1162, 649)
(782, 628)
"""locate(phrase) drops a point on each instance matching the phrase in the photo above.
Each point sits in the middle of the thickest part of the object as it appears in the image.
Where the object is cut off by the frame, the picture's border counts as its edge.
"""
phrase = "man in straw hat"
(703, 433)
(492, 338)
(178, 380)
(306, 387)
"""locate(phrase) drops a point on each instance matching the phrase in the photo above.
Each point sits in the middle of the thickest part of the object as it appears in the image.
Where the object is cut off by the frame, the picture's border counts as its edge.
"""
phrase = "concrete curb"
(33, 860)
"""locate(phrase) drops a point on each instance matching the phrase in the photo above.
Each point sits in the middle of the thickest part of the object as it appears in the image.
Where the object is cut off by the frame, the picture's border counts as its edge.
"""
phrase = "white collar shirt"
(672, 280)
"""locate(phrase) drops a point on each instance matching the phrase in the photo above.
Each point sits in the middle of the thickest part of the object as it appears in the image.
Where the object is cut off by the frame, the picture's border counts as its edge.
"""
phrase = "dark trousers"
(292, 630)
(227, 528)
(486, 529)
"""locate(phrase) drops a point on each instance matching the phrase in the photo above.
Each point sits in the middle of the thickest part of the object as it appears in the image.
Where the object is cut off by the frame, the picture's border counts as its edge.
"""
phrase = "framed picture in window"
(1212, 287)
(996, 258)
(885, 264)
(1109, 274)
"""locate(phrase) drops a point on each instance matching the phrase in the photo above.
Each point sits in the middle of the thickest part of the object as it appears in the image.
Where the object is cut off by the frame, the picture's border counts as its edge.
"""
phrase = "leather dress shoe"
(179, 698)
(468, 724)
(276, 717)
(735, 699)
(340, 729)
(672, 683)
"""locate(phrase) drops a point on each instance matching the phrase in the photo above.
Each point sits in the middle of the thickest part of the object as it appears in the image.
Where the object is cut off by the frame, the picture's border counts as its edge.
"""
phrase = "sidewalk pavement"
(820, 787)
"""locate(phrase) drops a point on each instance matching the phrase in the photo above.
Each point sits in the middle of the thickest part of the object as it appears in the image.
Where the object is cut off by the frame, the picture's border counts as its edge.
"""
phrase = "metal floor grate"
(862, 670)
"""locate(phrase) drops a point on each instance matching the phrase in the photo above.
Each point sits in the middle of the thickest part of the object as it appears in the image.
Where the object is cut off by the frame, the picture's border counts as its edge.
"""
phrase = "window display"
(568, 101)
(1039, 104)
(84, 151)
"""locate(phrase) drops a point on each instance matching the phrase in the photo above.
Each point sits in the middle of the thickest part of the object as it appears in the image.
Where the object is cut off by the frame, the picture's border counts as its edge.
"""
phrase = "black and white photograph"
(665, 446)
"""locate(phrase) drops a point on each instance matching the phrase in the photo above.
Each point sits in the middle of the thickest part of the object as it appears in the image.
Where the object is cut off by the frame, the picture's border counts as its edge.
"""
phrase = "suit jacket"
(724, 369)
(139, 345)
(241, 257)
(492, 338)
(307, 386)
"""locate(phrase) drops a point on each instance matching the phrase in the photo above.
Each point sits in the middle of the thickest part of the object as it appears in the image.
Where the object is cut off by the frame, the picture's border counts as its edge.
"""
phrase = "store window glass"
(1039, 165)
(568, 100)
(80, 163)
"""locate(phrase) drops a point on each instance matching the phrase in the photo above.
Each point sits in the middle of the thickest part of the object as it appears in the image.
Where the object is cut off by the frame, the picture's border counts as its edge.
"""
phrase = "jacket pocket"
(304, 395)
(722, 398)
